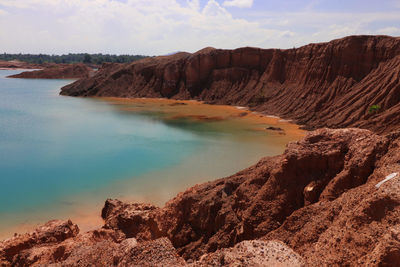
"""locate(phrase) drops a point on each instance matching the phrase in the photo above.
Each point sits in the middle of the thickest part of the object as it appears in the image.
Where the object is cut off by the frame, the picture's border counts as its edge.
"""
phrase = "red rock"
(16, 64)
(50, 233)
(58, 71)
(257, 200)
(359, 228)
(95, 246)
(159, 252)
(319, 198)
(318, 85)
(293, 197)
(253, 253)
(134, 220)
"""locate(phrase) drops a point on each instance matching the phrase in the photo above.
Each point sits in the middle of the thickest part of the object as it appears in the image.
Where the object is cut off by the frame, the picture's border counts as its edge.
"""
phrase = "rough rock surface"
(50, 233)
(258, 200)
(318, 85)
(58, 71)
(96, 248)
(319, 198)
(134, 220)
(360, 227)
(253, 253)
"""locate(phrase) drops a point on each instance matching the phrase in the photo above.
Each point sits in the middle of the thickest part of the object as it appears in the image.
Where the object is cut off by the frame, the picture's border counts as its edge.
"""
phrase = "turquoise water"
(53, 147)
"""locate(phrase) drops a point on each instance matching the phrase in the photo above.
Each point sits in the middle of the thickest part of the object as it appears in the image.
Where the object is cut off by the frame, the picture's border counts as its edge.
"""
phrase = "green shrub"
(374, 109)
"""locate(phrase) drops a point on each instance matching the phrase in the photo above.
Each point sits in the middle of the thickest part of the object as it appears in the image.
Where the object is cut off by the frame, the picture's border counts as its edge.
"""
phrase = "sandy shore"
(197, 110)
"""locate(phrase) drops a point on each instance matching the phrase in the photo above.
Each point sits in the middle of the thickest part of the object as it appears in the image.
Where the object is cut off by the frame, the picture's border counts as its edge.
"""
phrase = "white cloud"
(194, 4)
(390, 31)
(27, 3)
(337, 31)
(313, 26)
(132, 26)
(154, 27)
(239, 3)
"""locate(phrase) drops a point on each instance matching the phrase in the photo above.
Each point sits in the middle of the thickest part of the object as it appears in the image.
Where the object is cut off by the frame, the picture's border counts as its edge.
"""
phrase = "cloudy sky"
(155, 27)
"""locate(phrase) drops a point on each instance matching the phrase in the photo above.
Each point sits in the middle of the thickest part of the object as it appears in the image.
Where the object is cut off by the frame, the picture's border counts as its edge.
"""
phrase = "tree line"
(71, 58)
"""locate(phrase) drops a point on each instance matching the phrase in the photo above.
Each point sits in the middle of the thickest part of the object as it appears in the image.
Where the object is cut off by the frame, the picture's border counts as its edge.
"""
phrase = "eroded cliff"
(318, 85)
(321, 203)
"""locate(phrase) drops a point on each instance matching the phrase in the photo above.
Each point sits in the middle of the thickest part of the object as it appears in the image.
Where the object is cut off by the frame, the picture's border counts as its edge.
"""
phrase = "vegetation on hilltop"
(70, 58)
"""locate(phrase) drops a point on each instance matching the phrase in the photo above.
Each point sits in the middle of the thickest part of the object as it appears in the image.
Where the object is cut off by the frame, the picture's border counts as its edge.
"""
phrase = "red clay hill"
(58, 71)
(331, 84)
(16, 64)
(331, 199)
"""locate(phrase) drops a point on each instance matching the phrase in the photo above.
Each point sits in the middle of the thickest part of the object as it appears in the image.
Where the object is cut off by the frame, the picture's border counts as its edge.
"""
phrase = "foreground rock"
(57, 244)
(133, 219)
(253, 253)
(53, 232)
(330, 84)
(321, 203)
(58, 71)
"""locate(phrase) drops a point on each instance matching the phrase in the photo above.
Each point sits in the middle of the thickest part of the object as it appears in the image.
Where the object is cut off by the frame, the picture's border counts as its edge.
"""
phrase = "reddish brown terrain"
(318, 85)
(15, 64)
(58, 71)
(317, 204)
(331, 199)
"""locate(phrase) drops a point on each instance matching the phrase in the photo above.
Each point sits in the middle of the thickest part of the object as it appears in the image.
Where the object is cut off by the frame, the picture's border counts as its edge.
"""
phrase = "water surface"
(61, 157)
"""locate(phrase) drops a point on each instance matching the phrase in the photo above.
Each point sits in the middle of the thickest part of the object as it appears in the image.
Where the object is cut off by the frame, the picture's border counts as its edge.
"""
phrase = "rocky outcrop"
(58, 71)
(331, 199)
(253, 253)
(16, 64)
(133, 219)
(318, 85)
(57, 244)
(258, 200)
(319, 197)
(53, 232)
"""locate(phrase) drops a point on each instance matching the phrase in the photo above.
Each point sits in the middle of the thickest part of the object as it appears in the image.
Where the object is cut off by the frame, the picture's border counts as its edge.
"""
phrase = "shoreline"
(192, 110)
(186, 218)
(19, 69)
(235, 112)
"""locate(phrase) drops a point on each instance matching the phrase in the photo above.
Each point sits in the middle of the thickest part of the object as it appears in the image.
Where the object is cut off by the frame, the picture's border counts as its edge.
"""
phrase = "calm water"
(56, 152)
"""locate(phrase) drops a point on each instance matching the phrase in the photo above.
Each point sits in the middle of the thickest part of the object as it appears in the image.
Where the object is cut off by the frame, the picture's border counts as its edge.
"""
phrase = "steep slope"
(323, 197)
(58, 71)
(328, 84)
(321, 203)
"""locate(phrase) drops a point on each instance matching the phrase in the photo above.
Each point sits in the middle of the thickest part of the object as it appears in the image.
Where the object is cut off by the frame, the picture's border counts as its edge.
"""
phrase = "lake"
(61, 157)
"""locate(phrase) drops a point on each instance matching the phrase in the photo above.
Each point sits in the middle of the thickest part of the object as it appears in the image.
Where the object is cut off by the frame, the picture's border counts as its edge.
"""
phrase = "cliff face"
(58, 71)
(319, 85)
(332, 199)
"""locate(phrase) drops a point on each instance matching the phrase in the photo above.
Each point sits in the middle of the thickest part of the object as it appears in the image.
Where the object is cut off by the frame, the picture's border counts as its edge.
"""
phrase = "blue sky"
(156, 27)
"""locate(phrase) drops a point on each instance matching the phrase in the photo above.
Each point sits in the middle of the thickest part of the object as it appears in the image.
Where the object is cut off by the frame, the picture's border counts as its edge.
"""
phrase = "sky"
(159, 27)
